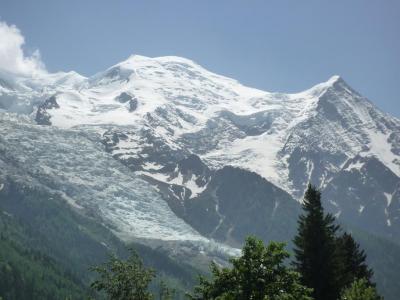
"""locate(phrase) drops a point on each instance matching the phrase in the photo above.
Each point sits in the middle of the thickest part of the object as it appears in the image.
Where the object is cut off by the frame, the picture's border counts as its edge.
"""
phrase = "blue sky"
(277, 45)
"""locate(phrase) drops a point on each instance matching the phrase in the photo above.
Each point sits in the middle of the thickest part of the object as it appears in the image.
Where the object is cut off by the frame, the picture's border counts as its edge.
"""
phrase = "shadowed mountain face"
(162, 150)
(238, 203)
(227, 204)
(365, 193)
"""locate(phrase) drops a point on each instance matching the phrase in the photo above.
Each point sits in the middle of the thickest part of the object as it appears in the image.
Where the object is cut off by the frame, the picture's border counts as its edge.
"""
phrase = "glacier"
(151, 112)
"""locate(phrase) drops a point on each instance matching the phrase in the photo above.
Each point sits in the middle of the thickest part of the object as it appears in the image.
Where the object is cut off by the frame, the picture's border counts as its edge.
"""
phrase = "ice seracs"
(73, 164)
(150, 113)
(179, 103)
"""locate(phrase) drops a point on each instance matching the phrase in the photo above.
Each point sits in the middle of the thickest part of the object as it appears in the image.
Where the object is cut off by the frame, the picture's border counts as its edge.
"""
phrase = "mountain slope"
(73, 165)
(365, 193)
(226, 204)
(48, 247)
(188, 108)
(238, 203)
(27, 273)
(181, 102)
(155, 112)
(164, 152)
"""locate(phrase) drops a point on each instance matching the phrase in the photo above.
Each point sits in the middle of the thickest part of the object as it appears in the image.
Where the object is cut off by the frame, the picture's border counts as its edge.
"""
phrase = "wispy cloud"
(12, 56)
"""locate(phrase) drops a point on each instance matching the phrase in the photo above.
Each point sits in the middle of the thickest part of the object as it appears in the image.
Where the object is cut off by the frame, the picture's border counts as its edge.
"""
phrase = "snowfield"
(150, 112)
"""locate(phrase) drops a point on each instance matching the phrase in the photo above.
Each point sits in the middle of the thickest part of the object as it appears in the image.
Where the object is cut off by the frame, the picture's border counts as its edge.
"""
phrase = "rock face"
(238, 203)
(42, 115)
(123, 97)
(227, 204)
(178, 182)
(127, 98)
(365, 194)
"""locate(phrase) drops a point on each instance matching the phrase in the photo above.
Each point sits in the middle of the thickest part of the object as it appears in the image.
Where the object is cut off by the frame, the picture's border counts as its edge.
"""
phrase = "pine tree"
(316, 255)
(354, 261)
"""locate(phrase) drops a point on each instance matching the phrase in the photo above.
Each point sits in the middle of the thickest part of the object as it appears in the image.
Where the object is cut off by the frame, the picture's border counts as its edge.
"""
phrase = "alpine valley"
(184, 164)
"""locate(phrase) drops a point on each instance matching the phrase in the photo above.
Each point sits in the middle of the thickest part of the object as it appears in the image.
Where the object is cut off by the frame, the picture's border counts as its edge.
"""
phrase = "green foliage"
(165, 292)
(124, 280)
(328, 263)
(360, 290)
(259, 274)
(46, 249)
(42, 222)
(28, 274)
(51, 227)
(317, 257)
(353, 260)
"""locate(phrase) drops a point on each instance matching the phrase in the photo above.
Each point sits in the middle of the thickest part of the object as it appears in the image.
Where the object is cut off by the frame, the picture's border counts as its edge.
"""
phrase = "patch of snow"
(354, 166)
(388, 221)
(178, 180)
(194, 188)
(151, 166)
(256, 153)
(389, 198)
(334, 203)
(382, 149)
(276, 205)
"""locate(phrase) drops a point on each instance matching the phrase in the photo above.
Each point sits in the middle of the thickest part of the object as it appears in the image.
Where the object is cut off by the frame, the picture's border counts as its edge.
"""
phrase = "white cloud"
(12, 57)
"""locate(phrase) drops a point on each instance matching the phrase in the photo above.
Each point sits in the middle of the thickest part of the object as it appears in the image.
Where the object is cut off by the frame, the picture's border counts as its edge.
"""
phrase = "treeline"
(46, 249)
(29, 274)
(328, 264)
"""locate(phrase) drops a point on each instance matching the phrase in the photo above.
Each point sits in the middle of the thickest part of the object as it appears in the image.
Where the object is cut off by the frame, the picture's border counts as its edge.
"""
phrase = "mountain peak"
(338, 84)
(135, 60)
(333, 82)
(124, 69)
(334, 79)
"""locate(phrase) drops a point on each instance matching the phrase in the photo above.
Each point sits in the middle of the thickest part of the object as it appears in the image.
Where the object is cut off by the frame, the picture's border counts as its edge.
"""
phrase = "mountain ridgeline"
(160, 152)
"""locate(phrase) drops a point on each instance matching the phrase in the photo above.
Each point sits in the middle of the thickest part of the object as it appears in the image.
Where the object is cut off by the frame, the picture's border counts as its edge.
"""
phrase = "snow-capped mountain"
(152, 114)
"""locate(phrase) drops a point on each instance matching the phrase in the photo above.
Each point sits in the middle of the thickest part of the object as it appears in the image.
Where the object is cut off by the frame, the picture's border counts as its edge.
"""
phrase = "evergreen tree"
(353, 260)
(259, 274)
(316, 255)
(360, 290)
